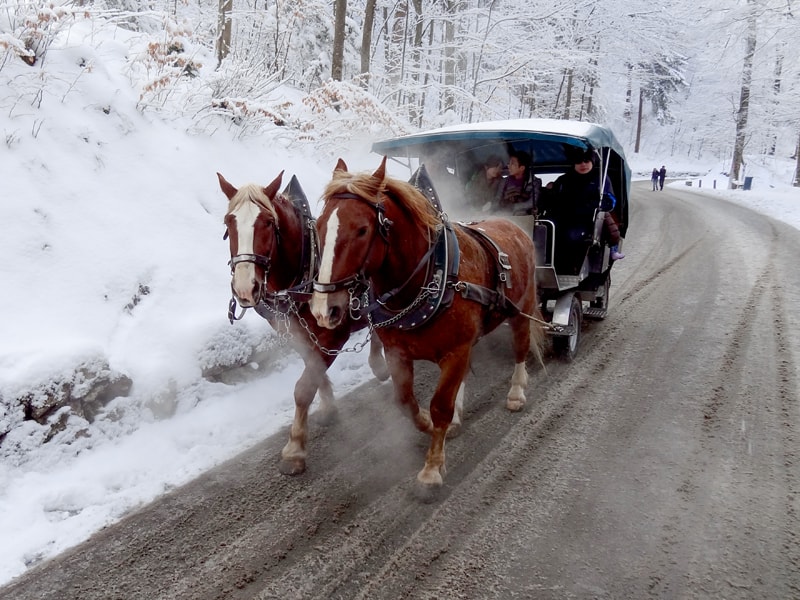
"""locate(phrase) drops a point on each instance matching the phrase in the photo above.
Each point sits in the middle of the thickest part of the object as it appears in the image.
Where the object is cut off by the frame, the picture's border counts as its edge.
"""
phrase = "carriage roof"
(550, 139)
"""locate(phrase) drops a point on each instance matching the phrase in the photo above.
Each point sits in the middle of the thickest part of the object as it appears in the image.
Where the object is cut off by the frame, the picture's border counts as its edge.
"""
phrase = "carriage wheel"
(566, 346)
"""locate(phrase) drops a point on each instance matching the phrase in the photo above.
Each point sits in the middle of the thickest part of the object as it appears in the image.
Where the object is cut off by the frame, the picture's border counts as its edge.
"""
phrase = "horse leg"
(521, 341)
(327, 411)
(376, 360)
(453, 371)
(293, 455)
(454, 430)
(402, 370)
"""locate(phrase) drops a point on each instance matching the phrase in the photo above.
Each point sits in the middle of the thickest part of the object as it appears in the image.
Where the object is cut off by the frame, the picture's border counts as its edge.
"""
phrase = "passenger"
(571, 201)
(519, 191)
(482, 186)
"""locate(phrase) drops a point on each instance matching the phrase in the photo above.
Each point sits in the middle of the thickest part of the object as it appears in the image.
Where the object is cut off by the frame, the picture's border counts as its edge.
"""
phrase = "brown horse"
(273, 246)
(438, 288)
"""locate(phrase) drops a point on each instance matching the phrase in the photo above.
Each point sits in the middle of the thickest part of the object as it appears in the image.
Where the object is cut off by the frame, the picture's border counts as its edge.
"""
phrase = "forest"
(692, 78)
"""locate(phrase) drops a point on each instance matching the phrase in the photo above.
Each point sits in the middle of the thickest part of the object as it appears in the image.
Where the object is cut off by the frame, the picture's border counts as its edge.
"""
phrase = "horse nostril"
(335, 314)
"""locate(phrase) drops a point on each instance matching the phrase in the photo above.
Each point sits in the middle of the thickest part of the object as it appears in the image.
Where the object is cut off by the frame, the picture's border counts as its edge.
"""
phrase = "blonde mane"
(254, 193)
(405, 195)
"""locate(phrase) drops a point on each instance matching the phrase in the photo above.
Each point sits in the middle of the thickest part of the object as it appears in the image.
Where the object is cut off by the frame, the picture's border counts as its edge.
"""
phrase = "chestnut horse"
(383, 232)
(274, 253)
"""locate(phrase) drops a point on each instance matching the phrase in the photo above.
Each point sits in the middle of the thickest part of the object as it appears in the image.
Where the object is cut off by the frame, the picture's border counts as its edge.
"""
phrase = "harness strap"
(501, 258)
(494, 300)
(441, 263)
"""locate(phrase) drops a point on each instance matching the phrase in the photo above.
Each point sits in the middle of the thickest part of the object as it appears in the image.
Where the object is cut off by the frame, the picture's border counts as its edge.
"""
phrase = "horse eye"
(362, 231)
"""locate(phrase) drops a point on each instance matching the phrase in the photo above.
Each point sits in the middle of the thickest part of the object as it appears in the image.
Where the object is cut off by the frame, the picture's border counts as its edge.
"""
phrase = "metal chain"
(429, 290)
(282, 323)
(357, 347)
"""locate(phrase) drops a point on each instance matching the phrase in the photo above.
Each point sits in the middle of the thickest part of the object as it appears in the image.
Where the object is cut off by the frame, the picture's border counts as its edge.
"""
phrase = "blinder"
(384, 223)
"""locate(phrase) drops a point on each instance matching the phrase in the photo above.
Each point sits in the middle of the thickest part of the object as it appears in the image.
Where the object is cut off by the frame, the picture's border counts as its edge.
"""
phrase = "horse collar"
(441, 262)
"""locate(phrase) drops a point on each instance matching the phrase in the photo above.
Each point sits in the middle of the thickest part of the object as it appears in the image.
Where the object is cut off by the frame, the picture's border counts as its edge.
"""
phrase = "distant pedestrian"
(662, 174)
(654, 178)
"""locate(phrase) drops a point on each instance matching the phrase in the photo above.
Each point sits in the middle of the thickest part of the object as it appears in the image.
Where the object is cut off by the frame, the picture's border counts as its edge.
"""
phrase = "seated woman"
(571, 201)
(482, 186)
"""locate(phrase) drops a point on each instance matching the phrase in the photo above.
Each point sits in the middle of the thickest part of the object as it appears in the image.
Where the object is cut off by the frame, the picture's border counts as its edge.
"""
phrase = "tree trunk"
(415, 110)
(448, 96)
(224, 30)
(628, 111)
(639, 122)
(776, 88)
(744, 98)
(337, 58)
(568, 97)
(588, 99)
(396, 47)
(366, 41)
(796, 182)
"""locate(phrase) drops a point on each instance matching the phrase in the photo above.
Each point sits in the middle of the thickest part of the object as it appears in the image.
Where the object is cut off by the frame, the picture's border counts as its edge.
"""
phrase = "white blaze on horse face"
(319, 302)
(244, 274)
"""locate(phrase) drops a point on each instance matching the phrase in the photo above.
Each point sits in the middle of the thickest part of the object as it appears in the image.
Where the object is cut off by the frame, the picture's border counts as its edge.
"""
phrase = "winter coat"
(572, 201)
(518, 197)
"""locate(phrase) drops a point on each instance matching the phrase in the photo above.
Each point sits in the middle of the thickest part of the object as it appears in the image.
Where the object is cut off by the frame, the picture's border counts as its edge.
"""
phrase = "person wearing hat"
(573, 198)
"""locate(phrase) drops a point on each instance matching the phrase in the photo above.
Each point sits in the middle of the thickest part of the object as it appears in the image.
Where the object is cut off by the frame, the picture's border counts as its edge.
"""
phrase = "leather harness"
(442, 263)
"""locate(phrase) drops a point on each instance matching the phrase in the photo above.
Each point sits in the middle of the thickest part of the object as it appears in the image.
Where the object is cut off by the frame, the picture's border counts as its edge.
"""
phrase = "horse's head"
(253, 232)
(353, 229)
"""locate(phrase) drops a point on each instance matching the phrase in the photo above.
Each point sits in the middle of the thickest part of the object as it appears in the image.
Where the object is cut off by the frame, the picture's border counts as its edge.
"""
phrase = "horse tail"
(538, 336)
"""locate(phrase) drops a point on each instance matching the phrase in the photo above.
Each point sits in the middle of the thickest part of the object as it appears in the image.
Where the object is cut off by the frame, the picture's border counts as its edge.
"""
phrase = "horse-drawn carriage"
(384, 254)
(573, 275)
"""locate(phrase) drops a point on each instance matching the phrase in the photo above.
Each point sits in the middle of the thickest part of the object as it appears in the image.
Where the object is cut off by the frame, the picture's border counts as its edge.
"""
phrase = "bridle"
(281, 302)
(358, 281)
(262, 260)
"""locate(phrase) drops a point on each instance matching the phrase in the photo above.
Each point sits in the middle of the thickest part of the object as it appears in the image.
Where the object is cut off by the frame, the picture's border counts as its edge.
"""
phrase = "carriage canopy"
(461, 149)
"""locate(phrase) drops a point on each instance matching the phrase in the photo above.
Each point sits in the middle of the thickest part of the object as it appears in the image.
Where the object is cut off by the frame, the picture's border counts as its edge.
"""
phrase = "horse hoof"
(515, 405)
(426, 492)
(453, 430)
(292, 466)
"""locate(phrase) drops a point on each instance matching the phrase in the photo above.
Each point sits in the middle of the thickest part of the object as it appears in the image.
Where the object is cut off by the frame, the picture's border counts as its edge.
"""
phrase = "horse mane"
(254, 193)
(369, 188)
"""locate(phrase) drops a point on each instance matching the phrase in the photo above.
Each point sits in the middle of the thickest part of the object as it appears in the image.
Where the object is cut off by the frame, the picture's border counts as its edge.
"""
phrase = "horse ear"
(226, 187)
(272, 188)
(340, 166)
(380, 174)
